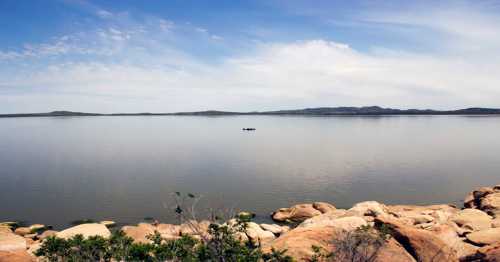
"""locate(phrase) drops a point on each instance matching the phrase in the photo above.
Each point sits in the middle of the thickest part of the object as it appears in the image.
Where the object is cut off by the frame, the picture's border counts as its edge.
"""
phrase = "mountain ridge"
(343, 110)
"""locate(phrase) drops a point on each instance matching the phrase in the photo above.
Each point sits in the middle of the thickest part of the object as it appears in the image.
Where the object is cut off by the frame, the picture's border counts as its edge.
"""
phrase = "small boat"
(248, 129)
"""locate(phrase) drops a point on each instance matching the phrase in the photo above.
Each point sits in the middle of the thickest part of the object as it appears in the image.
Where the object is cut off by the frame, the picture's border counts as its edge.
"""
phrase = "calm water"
(58, 169)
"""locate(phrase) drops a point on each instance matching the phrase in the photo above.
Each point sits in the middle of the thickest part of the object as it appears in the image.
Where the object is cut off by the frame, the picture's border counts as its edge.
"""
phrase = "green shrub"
(221, 246)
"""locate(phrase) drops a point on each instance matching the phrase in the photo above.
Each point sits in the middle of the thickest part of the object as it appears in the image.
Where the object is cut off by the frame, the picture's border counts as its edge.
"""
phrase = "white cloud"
(166, 25)
(104, 14)
(146, 73)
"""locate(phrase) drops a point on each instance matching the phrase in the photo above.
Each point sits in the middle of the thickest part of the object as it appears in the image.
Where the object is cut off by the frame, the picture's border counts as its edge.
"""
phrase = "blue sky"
(164, 56)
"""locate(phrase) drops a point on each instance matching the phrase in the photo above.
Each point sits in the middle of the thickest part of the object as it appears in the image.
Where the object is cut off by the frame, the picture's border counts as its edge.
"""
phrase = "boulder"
(411, 214)
(323, 207)
(334, 214)
(421, 219)
(473, 199)
(30, 236)
(8, 224)
(11, 242)
(489, 253)
(485, 237)
(87, 230)
(36, 227)
(449, 236)
(393, 251)
(34, 247)
(495, 222)
(368, 208)
(473, 219)
(342, 223)
(275, 229)
(298, 241)
(195, 228)
(469, 201)
(139, 233)
(297, 213)
(108, 223)
(491, 204)
(257, 235)
(421, 244)
(16, 256)
(22, 231)
(169, 231)
(47, 234)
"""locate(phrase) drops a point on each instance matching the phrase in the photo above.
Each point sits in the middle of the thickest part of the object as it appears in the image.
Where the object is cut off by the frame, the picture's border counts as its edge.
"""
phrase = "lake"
(57, 169)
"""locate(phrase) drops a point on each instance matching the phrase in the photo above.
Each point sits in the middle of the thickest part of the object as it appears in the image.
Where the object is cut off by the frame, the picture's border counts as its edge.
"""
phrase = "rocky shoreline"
(417, 233)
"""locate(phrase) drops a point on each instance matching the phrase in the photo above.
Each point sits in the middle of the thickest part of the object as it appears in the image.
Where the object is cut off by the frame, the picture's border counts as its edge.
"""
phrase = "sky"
(182, 55)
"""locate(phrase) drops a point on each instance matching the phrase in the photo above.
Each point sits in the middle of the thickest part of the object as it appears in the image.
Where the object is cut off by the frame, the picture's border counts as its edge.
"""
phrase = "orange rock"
(490, 253)
(421, 244)
(323, 207)
(297, 213)
(16, 256)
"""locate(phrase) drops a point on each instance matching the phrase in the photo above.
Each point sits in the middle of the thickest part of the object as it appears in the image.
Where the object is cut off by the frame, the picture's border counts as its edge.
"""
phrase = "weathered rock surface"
(297, 213)
(194, 228)
(323, 207)
(169, 231)
(275, 229)
(298, 241)
(489, 253)
(11, 242)
(485, 237)
(495, 222)
(473, 219)
(87, 230)
(338, 213)
(491, 204)
(393, 251)
(257, 235)
(139, 233)
(414, 215)
(36, 227)
(342, 223)
(47, 234)
(368, 208)
(108, 223)
(22, 231)
(16, 256)
(421, 244)
(451, 238)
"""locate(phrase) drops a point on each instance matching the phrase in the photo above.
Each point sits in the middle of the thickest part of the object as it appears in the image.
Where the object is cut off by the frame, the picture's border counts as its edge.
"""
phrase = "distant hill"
(318, 111)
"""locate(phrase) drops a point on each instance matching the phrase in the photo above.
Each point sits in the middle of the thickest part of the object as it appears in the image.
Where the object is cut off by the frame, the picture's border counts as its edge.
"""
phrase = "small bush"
(222, 246)
(360, 245)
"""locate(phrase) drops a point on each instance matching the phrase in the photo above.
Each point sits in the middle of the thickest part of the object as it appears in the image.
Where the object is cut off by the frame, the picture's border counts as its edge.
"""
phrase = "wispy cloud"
(147, 63)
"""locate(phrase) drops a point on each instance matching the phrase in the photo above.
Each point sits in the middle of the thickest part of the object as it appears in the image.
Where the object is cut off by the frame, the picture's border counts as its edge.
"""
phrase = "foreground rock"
(472, 219)
(87, 230)
(298, 241)
(297, 213)
(489, 253)
(139, 233)
(10, 241)
(421, 244)
(349, 223)
(491, 204)
(275, 229)
(485, 237)
(257, 235)
(393, 251)
(451, 238)
(486, 199)
(16, 256)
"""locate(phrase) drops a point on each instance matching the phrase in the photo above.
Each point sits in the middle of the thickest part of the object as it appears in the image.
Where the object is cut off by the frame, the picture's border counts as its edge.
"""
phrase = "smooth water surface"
(57, 169)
